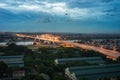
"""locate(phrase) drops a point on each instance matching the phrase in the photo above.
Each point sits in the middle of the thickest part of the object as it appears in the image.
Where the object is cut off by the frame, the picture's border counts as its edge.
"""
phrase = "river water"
(18, 43)
(25, 43)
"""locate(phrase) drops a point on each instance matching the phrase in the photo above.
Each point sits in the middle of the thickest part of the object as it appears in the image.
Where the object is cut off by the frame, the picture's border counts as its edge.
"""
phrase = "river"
(18, 43)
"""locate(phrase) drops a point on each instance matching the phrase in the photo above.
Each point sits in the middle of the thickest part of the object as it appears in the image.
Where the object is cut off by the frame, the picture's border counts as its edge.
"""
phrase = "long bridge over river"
(56, 39)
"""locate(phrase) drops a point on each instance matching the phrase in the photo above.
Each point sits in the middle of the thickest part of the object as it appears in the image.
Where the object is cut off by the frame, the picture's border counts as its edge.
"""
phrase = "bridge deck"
(113, 54)
(110, 53)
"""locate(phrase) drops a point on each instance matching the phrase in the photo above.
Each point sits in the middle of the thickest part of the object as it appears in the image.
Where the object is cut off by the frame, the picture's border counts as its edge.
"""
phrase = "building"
(13, 60)
(18, 73)
(96, 72)
(90, 60)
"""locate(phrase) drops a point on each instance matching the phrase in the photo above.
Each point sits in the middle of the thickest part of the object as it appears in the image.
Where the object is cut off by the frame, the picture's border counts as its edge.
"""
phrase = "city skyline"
(76, 16)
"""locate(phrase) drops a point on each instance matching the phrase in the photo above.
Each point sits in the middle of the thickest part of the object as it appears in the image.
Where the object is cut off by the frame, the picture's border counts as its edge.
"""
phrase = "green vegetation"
(39, 64)
(42, 60)
(3, 69)
(13, 49)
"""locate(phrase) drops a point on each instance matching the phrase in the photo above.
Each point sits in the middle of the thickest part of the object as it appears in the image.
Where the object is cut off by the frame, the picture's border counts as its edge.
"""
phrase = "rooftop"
(86, 59)
(95, 72)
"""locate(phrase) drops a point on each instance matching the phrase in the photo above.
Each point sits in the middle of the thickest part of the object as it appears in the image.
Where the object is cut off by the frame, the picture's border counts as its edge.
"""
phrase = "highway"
(41, 37)
(109, 53)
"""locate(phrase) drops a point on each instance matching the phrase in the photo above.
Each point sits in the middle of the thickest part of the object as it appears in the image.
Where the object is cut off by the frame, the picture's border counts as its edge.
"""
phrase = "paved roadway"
(38, 37)
(110, 53)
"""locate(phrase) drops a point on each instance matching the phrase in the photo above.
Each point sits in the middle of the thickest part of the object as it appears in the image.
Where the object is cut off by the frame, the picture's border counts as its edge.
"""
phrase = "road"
(48, 38)
(109, 53)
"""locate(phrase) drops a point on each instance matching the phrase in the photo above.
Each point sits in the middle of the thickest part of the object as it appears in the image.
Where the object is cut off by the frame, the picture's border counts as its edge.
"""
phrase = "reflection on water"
(25, 43)
(18, 43)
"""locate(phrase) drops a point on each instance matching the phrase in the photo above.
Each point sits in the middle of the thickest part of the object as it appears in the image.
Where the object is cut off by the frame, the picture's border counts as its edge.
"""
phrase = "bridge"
(109, 53)
(56, 39)
(44, 37)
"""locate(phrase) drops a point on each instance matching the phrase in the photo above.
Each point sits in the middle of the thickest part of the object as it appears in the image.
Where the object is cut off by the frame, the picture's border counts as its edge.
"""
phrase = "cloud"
(107, 1)
(2, 5)
(28, 7)
(59, 15)
(56, 8)
(74, 9)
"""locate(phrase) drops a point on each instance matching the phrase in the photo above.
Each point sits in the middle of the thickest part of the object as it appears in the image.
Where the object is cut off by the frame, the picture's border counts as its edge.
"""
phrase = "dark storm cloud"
(76, 12)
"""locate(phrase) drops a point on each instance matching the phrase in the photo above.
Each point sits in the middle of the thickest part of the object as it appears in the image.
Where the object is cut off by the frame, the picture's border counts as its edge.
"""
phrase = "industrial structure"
(95, 72)
(89, 60)
(13, 60)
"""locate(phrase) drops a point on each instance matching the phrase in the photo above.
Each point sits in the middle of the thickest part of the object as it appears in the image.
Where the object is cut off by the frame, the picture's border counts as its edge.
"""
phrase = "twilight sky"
(79, 16)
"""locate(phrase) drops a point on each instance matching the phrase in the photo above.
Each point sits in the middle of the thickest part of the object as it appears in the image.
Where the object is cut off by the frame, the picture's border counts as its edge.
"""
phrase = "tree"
(84, 79)
(118, 59)
(50, 71)
(3, 68)
(57, 76)
(33, 77)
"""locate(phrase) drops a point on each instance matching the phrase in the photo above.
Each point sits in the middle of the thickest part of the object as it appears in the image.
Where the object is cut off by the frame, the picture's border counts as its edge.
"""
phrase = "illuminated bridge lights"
(56, 39)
